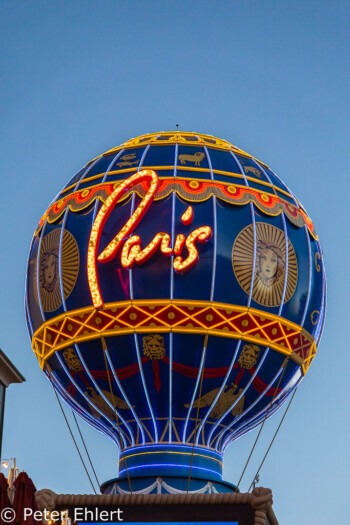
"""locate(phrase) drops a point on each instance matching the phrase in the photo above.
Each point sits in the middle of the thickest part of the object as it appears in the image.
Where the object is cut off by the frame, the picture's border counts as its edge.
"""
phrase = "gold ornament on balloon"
(270, 264)
(49, 277)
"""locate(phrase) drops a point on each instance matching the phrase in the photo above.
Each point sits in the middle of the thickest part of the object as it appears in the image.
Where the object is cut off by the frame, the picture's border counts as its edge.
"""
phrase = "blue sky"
(79, 77)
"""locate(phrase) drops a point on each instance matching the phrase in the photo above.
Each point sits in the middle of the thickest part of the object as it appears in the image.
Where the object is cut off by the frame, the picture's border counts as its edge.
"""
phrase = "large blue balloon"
(176, 344)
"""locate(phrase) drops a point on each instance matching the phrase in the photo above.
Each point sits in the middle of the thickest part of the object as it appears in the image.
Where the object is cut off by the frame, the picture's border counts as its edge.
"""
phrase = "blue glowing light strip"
(275, 192)
(252, 211)
(234, 404)
(75, 405)
(132, 209)
(65, 307)
(284, 186)
(135, 335)
(268, 178)
(171, 336)
(236, 419)
(285, 237)
(295, 378)
(254, 256)
(240, 168)
(238, 345)
(201, 364)
(124, 395)
(287, 263)
(306, 234)
(103, 426)
(85, 173)
(104, 180)
(60, 258)
(266, 411)
(90, 402)
(77, 408)
(172, 466)
(254, 232)
(145, 388)
(86, 368)
(170, 386)
(321, 317)
(26, 297)
(28, 320)
(62, 232)
(173, 204)
(213, 275)
(299, 205)
(93, 381)
(320, 323)
(193, 397)
(261, 416)
(60, 252)
(215, 230)
(310, 276)
(38, 271)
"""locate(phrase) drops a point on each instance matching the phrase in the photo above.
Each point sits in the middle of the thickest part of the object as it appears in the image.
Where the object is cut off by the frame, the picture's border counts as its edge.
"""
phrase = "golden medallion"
(49, 275)
(270, 264)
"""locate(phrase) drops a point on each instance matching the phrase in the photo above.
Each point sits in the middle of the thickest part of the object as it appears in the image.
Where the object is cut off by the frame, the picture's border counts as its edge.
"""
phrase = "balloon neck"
(170, 460)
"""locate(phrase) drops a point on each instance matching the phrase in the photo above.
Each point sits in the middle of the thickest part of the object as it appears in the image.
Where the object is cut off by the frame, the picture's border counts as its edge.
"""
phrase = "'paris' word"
(131, 251)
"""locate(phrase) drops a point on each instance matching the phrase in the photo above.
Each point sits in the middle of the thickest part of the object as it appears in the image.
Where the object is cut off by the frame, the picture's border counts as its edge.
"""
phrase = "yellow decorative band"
(121, 460)
(192, 190)
(179, 137)
(177, 316)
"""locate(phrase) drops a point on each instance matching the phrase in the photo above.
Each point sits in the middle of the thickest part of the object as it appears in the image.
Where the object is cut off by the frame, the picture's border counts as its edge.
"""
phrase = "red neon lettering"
(202, 234)
(179, 243)
(101, 219)
(187, 217)
(111, 250)
(132, 252)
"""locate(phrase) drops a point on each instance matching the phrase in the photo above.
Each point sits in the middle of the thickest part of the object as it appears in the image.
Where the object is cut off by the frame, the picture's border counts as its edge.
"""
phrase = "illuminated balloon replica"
(175, 297)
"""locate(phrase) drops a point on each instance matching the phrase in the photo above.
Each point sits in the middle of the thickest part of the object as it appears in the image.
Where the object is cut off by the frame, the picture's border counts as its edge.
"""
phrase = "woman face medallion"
(50, 269)
(53, 279)
(268, 264)
(261, 256)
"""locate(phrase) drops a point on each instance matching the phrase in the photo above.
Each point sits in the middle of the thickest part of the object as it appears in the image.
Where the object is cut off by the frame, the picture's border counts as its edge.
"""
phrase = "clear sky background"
(272, 77)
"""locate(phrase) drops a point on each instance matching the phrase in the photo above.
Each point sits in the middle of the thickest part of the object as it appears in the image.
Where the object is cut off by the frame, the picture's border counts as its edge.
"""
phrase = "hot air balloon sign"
(175, 298)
